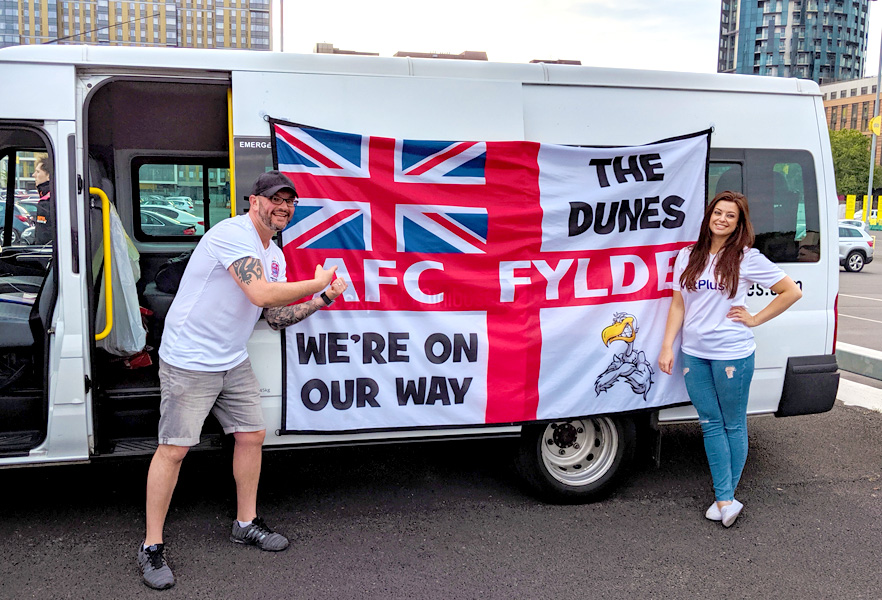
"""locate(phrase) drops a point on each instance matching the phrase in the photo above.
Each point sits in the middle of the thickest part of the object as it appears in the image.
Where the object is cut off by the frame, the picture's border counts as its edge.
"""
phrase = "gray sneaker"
(155, 572)
(258, 534)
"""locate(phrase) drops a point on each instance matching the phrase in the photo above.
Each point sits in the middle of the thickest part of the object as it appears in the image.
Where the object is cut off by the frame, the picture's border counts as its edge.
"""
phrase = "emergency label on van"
(490, 282)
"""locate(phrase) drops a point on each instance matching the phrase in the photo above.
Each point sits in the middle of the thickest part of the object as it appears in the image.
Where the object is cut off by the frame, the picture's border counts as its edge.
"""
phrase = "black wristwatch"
(328, 301)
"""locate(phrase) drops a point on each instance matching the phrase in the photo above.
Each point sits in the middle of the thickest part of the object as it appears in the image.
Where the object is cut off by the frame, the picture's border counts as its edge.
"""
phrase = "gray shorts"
(188, 396)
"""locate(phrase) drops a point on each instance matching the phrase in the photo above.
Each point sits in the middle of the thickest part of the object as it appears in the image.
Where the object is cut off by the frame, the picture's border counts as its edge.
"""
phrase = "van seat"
(20, 283)
(159, 302)
(15, 328)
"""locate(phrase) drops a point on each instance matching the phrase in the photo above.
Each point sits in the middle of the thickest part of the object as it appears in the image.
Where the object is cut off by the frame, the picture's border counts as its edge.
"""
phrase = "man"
(234, 273)
(43, 231)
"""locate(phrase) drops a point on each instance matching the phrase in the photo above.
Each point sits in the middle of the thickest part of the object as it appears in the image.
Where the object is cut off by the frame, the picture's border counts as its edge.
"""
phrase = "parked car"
(178, 215)
(178, 202)
(29, 236)
(20, 222)
(155, 224)
(855, 248)
(182, 202)
(30, 206)
(856, 223)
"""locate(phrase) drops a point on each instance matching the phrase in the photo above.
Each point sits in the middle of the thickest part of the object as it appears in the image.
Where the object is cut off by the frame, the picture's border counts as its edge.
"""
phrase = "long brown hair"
(729, 257)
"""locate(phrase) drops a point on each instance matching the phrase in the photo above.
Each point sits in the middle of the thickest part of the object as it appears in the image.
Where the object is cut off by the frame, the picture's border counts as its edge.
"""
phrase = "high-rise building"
(177, 23)
(823, 40)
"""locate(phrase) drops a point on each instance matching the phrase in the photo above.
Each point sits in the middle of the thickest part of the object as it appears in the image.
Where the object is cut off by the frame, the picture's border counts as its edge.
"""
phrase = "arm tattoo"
(282, 316)
(248, 269)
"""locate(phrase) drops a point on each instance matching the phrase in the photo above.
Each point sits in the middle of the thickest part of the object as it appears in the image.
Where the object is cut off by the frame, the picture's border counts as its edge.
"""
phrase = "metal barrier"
(860, 360)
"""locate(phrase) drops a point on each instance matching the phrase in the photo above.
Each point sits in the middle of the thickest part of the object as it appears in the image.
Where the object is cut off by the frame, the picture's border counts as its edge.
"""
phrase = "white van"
(128, 121)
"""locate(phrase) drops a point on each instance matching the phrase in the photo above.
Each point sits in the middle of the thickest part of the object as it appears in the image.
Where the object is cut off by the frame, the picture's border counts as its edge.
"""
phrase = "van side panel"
(24, 98)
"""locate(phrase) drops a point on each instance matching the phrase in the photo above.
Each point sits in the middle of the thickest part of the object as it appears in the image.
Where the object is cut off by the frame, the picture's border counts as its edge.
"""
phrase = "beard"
(265, 214)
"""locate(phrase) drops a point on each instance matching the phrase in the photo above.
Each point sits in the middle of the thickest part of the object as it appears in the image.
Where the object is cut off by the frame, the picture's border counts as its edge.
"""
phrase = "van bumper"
(810, 385)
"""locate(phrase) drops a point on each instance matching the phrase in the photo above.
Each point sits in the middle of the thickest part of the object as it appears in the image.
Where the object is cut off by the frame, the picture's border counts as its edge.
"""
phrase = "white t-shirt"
(211, 318)
(707, 331)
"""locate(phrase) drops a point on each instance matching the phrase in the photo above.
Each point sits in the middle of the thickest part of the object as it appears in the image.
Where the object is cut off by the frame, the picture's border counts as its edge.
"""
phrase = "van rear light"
(201, 223)
(835, 322)
(190, 231)
(22, 218)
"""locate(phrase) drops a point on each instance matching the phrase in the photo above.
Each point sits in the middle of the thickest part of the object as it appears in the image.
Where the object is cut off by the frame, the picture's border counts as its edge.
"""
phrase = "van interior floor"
(127, 401)
(118, 379)
(22, 406)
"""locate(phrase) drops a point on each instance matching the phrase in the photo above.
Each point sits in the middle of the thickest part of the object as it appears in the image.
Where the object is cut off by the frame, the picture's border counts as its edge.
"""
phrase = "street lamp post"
(869, 201)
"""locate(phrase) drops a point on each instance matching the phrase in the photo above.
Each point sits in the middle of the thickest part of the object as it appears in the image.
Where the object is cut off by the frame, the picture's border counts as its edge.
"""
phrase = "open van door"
(43, 385)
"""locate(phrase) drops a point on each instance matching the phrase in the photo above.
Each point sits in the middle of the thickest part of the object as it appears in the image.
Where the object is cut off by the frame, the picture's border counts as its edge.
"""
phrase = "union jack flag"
(336, 213)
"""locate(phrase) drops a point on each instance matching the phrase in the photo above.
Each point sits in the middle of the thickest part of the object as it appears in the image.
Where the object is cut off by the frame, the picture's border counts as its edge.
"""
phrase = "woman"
(711, 278)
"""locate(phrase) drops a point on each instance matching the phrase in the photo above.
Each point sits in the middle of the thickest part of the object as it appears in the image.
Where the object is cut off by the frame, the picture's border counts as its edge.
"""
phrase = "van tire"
(854, 262)
(576, 461)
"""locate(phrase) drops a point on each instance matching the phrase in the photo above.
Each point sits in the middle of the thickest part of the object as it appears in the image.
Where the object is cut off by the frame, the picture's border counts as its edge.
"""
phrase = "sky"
(674, 35)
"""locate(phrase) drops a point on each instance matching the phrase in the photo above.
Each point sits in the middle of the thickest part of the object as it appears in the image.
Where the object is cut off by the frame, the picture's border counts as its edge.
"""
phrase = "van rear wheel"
(854, 262)
(576, 461)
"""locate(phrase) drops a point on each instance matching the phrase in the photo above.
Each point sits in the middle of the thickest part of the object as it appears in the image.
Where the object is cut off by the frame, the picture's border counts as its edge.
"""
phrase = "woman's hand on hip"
(739, 314)
(666, 360)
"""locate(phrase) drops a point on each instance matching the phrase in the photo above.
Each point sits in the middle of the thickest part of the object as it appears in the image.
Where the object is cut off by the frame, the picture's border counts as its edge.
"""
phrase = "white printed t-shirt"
(211, 318)
(707, 332)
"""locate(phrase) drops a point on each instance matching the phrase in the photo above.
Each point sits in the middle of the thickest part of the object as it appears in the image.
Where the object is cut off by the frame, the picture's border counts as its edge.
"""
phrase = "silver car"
(855, 248)
(856, 223)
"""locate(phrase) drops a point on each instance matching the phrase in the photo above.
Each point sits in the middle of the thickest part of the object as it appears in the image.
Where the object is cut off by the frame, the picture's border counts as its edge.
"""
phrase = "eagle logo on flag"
(631, 365)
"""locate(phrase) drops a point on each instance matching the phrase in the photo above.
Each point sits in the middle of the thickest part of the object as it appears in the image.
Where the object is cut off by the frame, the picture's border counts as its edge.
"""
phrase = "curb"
(860, 360)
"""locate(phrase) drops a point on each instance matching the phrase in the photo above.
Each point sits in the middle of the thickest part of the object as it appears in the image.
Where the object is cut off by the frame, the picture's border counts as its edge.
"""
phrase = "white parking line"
(861, 318)
(861, 297)
(858, 394)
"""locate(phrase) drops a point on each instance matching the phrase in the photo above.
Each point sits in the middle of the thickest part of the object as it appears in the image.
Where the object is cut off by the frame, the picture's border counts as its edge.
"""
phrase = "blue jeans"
(718, 390)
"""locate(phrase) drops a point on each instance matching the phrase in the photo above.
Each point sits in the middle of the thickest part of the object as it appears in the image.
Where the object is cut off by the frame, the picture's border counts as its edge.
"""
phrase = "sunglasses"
(278, 200)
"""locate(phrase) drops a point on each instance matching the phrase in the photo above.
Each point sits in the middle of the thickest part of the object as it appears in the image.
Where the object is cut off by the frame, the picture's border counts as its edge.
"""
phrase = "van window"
(19, 174)
(724, 177)
(782, 196)
(179, 199)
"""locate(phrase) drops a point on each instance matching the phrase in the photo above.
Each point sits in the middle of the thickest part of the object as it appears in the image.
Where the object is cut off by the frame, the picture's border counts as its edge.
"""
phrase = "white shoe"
(713, 513)
(730, 512)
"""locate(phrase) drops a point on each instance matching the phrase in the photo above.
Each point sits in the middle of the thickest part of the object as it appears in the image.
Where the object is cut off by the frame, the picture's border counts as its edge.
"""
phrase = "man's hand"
(337, 287)
(325, 276)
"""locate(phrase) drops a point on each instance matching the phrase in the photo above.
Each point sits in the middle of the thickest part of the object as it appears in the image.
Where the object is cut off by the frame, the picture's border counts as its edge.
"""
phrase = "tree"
(851, 162)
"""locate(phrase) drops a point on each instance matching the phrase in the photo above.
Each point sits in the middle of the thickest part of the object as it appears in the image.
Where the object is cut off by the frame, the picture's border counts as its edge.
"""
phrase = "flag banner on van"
(489, 282)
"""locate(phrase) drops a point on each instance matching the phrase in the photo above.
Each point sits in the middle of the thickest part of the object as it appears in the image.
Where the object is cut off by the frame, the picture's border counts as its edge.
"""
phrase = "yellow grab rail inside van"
(108, 288)
(232, 153)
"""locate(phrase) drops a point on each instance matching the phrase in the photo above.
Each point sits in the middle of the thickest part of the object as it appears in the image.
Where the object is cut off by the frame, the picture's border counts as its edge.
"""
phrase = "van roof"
(145, 60)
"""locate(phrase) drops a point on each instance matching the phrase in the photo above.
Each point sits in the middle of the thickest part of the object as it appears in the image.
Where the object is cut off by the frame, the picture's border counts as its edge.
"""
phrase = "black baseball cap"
(271, 182)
